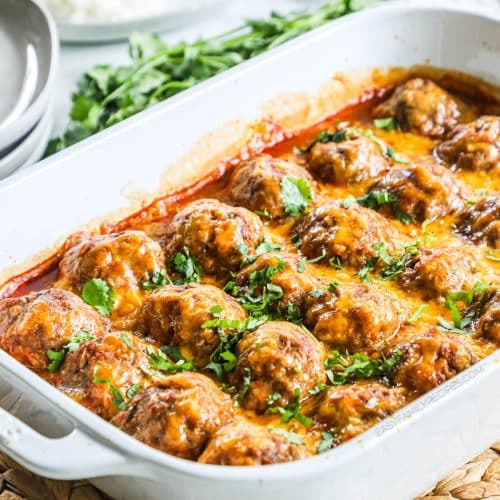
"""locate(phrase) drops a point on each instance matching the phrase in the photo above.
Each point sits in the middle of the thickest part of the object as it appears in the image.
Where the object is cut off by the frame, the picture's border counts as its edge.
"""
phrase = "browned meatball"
(430, 359)
(286, 273)
(423, 191)
(351, 409)
(480, 223)
(279, 357)
(352, 161)
(474, 146)
(42, 321)
(124, 260)
(347, 234)
(214, 233)
(436, 271)
(355, 317)
(89, 374)
(177, 415)
(422, 107)
(243, 443)
(256, 184)
(486, 313)
(174, 315)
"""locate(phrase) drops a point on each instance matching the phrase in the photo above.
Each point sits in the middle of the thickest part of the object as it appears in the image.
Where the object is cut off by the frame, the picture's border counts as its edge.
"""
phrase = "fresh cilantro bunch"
(106, 95)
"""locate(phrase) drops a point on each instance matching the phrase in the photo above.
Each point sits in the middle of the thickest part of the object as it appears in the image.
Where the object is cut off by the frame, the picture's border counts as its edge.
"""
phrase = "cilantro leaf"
(289, 436)
(159, 361)
(57, 357)
(376, 199)
(157, 280)
(296, 194)
(416, 315)
(388, 124)
(345, 368)
(98, 294)
(292, 411)
(187, 266)
(326, 443)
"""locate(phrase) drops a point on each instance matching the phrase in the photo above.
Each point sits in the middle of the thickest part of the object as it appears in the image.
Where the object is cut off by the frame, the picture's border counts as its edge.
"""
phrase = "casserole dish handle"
(74, 456)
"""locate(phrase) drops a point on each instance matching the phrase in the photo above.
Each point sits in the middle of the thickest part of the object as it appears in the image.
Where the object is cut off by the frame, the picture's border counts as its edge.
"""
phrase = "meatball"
(423, 191)
(351, 409)
(256, 184)
(177, 415)
(436, 271)
(486, 313)
(473, 146)
(124, 260)
(355, 317)
(174, 315)
(278, 357)
(96, 370)
(214, 234)
(431, 358)
(420, 106)
(243, 443)
(352, 161)
(346, 234)
(41, 321)
(480, 223)
(283, 271)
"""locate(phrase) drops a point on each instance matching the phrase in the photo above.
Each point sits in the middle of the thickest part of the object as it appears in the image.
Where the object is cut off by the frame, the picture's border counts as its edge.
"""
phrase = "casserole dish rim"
(277, 471)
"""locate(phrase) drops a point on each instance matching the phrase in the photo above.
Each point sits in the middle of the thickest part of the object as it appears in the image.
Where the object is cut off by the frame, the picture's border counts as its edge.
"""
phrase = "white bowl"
(29, 46)
(31, 147)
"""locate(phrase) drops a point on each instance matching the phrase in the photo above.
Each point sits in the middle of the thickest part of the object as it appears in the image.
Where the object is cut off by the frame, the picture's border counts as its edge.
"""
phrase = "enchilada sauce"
(291, 300)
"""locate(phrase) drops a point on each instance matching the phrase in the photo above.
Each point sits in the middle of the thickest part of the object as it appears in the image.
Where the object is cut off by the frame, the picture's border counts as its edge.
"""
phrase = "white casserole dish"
(397, 459)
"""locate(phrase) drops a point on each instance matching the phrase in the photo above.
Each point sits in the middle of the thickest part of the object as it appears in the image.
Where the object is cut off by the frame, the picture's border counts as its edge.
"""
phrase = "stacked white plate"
(29, 47)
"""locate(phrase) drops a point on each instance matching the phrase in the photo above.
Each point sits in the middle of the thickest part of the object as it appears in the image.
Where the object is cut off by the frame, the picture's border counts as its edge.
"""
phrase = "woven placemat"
(479, 479)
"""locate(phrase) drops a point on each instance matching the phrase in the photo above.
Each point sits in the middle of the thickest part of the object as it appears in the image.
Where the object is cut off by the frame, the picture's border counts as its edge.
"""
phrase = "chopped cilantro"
(345, 368)
(335, 262)
(301, 266)
(126, 340)
(493, 254)
(326, 443)
(223, 359)
(133, 390)
(416, 315)
(157, 280)
(461, 322)
(159, 361)
(247, 379)
(388, 124)
(272, 398)
(292, 411)
(260, 295)
(117, 398)
(376, 199)
(364, 273)
(98, 294)
(296, 194)
(318, 387)
(401, 215)
(57, 357)
(187, 266)
(289, 436)
(333, 285)
(296, 240)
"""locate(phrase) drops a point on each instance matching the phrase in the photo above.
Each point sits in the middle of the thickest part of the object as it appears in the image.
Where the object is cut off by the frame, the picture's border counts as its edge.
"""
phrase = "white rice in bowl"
(84, 11)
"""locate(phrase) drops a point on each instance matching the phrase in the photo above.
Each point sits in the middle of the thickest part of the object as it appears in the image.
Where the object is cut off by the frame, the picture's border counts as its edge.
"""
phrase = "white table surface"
(76, 59)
